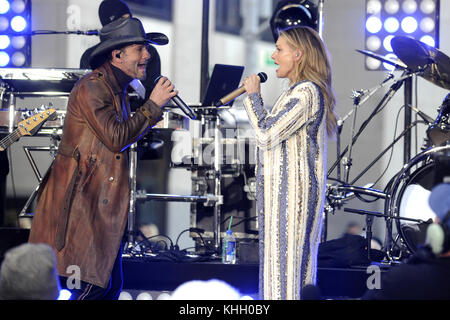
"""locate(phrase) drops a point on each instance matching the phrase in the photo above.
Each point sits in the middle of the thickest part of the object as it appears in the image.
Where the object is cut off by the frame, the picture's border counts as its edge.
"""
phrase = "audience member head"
(205, 290)
(28, 272)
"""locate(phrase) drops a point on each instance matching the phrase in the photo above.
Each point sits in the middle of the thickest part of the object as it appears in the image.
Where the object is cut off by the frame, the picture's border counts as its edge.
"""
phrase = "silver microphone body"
(236, 93)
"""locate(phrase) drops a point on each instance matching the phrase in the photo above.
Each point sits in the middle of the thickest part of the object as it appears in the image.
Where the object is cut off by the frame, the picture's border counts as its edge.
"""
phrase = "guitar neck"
(9, 139)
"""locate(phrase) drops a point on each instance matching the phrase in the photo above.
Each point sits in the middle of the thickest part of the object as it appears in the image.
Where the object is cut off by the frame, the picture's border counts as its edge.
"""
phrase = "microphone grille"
(262, 76)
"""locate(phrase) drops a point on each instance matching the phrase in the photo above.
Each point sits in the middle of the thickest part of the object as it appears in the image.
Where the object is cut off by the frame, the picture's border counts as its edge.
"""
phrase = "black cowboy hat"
(122, 32)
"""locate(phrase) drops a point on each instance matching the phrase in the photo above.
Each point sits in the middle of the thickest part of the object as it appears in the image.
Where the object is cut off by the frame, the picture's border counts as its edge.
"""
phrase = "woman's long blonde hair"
(314, 66)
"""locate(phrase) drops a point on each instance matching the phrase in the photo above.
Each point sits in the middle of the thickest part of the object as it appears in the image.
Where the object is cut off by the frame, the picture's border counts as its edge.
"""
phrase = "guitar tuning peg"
(26, 114)
(36, 111)
(43, 108)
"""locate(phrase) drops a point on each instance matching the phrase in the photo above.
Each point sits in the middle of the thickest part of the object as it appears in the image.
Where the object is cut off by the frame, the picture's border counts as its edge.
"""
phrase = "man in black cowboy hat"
(109, 11)
(83, 200)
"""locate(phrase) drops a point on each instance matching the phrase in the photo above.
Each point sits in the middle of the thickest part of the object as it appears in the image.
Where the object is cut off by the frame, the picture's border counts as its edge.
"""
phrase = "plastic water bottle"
(229, 248)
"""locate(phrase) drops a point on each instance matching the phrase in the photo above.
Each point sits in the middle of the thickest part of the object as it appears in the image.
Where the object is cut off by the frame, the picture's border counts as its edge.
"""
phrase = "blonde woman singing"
(291, 163)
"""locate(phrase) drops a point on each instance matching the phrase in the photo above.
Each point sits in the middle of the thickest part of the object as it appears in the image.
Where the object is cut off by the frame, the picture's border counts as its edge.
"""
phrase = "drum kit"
(406, 194)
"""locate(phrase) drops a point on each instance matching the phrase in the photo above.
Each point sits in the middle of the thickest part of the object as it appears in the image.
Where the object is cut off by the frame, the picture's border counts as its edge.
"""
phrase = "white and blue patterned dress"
(291, 181)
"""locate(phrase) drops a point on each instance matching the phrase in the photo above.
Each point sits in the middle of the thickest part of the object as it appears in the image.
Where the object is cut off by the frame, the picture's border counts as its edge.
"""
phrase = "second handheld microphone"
(234, 94)
(180, 104)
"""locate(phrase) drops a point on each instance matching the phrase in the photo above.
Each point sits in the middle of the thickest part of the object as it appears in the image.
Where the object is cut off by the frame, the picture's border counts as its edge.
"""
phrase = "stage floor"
(144, 274)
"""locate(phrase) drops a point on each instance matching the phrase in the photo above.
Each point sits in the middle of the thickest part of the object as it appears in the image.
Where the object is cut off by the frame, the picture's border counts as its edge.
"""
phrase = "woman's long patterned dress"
(291, 181)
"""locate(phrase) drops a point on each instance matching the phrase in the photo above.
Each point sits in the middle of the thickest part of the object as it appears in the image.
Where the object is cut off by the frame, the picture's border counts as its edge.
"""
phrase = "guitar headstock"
(31, 125)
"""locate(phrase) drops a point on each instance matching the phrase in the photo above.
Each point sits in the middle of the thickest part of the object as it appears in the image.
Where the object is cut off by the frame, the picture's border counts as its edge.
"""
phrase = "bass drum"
(410, 191)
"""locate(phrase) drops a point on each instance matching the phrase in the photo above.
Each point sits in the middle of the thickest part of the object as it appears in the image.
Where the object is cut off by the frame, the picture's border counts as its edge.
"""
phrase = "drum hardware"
(370, 215)
(208, 200)
(407, 196)
(359, 97)
(418, 56)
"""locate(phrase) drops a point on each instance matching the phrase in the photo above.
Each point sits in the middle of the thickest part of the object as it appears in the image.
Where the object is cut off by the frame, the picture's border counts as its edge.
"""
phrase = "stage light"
(373, 7)
(18, 42)
(373, 24)
(373, 43)
(18, 6)
(392, 6)
(125, 295)
(15, 23)
(409, 24)
(391, 24)
(4, 59)
(4, 42)
(429, 40)
(18, 59)
(387, 43)
(64, 294)
(427, 25)
(18, 23)
(386, 19)
(4, 6)
(4, 23)
(409, 6)
(144, 296)
(427, 6)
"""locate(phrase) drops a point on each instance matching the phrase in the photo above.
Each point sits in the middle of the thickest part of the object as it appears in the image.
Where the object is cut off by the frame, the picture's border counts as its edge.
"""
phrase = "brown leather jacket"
(84, 198)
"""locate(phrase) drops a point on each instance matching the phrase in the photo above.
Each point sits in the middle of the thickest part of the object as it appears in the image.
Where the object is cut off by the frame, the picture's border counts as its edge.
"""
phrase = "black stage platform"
(144, 274)
(169, 270)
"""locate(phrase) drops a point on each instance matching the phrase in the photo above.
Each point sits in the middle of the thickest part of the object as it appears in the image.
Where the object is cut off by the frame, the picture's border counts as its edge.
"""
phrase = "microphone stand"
(387, 97)
(45, 32)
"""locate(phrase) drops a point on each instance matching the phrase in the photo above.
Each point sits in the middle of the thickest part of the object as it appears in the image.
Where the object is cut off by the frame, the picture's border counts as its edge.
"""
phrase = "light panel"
(386, 19)
(15, 30)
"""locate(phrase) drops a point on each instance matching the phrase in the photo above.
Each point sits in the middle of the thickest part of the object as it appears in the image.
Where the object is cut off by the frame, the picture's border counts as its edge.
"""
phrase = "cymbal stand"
(362, 96)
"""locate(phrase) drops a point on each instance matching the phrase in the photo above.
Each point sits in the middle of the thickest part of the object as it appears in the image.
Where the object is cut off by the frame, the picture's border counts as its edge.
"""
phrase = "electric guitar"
(27, 127)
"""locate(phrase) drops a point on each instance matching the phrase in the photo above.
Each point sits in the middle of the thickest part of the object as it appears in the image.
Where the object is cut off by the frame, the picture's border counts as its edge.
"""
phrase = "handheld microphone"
(234, 94)
(180, 104)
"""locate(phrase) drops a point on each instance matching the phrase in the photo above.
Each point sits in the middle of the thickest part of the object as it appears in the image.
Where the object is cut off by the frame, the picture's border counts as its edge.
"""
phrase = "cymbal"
(396, 63)
(432, 64)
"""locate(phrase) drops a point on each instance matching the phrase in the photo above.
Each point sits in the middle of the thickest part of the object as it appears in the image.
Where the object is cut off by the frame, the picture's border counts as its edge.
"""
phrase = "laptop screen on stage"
(224, 79)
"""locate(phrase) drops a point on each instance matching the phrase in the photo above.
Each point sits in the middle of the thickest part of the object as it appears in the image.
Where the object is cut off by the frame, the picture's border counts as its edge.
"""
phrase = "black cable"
(152, 237)
(392, 149)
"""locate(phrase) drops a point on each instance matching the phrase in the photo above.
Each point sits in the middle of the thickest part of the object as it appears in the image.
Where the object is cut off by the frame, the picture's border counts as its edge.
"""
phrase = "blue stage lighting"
(4, 59)
(18, 23)
(373, 24)
(429, 40)
(4, 42)
(15, 37)
(385, 19)
(387, 43)
(4, 6)
(409, 24)
(391, 24)
(64, 294)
